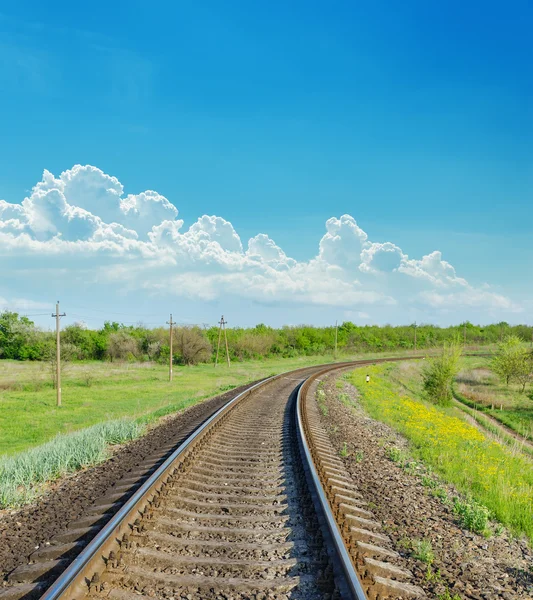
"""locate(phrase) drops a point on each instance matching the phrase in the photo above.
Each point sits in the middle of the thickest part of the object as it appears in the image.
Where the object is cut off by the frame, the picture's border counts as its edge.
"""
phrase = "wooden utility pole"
(58, 316)
(222, 324)
(336, 334)
(415, 336)
(170, 323)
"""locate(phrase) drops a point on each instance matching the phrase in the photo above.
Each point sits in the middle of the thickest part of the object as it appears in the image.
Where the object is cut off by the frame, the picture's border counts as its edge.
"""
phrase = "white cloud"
(137, 242)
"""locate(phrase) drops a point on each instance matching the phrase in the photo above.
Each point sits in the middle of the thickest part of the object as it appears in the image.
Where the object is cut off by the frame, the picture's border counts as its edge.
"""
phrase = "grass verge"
(480, 468)
(23, 476)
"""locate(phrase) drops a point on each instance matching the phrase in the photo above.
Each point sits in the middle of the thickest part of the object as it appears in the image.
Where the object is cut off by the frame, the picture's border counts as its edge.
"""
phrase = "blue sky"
(416, 120)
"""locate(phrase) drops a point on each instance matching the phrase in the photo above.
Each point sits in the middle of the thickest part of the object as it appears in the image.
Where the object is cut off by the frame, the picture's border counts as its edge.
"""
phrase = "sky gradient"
(415, 120)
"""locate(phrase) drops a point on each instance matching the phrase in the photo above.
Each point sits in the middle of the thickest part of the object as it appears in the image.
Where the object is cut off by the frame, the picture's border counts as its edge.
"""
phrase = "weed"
(447, 596)
(399, 456)
(440, 493)
(359, 455)
(433, 576)
(472, 515)
(344, 450)
(429, 482)
(339, 384)
(321, 400)
(344, 398)
(423, 551)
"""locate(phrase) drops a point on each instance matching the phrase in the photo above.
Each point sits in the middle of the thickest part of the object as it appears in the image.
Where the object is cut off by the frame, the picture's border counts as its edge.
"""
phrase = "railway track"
(254, 504)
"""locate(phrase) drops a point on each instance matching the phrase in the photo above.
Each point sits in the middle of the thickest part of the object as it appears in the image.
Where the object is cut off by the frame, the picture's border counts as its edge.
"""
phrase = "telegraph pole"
(222, 325)
(58, 316)
(415, 336)
(170, 323)
(336, 334)
(226, 339)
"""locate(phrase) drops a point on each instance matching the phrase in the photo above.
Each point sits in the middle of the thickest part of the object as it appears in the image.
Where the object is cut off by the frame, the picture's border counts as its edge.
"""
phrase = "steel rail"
(346, 577)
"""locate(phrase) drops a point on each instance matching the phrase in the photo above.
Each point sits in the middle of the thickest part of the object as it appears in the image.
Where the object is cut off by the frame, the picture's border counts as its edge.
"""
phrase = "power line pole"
(222, 325)
(336, 334)
(170, 323)
(226, 339)
(58, 316)
(415, 336)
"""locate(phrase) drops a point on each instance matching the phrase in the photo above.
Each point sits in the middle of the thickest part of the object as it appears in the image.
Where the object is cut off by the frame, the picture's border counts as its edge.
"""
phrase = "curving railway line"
(255, 503)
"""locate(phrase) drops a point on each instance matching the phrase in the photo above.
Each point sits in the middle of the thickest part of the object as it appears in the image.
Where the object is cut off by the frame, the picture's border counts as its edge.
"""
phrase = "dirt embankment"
(466, 564)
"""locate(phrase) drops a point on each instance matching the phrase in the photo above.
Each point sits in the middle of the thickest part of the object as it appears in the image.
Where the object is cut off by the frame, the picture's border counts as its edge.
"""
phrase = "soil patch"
(24, 530)
(464, 563)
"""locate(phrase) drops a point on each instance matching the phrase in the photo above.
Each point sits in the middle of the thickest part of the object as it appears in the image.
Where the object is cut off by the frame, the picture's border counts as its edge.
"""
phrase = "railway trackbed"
(254, 504)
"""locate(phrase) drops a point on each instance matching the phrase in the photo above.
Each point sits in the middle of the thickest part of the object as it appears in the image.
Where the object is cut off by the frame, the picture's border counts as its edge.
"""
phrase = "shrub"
(439, 372)
(121, 345)
(191, 346)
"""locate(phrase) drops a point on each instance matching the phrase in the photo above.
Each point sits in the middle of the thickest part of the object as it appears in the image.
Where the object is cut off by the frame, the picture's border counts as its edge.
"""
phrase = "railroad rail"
(255, 503)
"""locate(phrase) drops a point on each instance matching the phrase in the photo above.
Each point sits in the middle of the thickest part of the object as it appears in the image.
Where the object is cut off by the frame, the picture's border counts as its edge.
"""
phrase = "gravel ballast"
(465, 564)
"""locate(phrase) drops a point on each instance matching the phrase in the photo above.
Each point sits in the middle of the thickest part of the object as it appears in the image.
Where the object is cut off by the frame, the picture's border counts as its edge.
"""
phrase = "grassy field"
(490, 473)
(482, 389)
(94, 392)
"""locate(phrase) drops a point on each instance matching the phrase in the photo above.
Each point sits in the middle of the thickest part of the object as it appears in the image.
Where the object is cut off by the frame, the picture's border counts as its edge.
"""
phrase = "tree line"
(21, 339)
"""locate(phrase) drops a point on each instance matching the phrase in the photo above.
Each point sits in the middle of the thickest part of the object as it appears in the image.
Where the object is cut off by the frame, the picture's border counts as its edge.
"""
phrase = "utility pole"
(336, 334)
(222, 324)
(415, 336)
(58, 316)
(170, 323)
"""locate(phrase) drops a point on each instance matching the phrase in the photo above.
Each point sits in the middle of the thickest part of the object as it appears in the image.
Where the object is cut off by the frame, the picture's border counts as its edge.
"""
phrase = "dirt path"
(465, 565)
(499, 425)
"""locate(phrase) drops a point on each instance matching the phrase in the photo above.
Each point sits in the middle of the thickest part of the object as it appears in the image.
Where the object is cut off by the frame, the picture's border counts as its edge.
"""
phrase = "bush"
(121, 345)
(191, 345)
(439, 373)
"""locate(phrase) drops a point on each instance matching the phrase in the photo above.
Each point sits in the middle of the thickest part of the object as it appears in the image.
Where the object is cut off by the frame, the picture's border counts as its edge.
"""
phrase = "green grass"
(479, 388)
(487, 473)
(23, 475)
(94, 392)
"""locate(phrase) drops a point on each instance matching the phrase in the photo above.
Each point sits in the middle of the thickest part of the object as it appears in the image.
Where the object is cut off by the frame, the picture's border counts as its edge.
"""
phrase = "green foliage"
(513, 361)
(447, 596)
(344, 450)
(439, 373)
(21, 340)
(422, 550)
(472, 515)
(22, 474)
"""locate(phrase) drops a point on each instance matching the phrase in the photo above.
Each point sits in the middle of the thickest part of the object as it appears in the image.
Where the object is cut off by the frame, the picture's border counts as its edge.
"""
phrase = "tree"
(191, 346)
(121, 346)
(524, 369)
(439, 373)
(510, 359)
(19, 339)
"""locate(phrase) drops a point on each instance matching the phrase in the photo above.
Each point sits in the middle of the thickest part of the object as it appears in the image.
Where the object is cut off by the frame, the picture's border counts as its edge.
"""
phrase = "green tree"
(439, 372)
(510, 359)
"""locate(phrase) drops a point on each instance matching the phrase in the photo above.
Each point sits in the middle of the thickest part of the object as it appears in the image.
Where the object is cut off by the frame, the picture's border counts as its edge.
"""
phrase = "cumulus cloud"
(137, 241)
